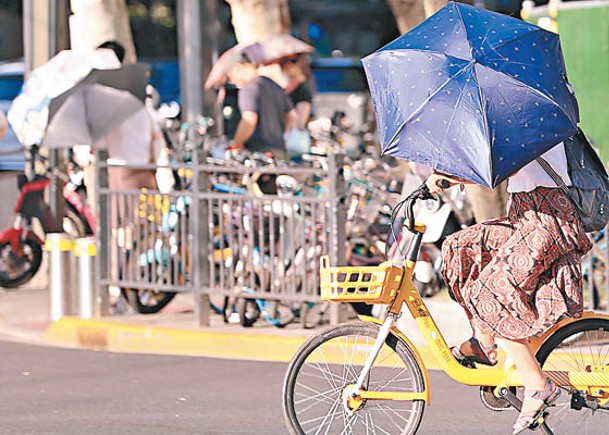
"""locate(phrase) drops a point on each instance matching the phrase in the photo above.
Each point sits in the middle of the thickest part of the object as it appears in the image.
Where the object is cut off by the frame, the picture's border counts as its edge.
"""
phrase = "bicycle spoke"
(585, 345)
(333, 363)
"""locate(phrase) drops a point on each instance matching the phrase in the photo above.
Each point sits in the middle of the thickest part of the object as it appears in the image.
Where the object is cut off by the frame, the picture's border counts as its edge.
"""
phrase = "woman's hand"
(437, 182)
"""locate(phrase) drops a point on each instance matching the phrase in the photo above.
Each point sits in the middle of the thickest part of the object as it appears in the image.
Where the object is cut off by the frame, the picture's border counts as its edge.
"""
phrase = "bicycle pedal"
(539, 421)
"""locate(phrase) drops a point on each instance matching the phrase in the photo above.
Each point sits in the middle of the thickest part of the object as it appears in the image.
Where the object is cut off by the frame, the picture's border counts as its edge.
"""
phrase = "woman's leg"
(521, 354)
(538, 391)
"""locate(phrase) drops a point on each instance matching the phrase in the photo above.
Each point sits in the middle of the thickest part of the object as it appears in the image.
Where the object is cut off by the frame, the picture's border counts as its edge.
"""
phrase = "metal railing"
(216, 236)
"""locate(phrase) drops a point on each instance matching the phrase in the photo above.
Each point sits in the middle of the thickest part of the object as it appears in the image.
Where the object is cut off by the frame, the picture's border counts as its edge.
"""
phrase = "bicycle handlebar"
(420, 193)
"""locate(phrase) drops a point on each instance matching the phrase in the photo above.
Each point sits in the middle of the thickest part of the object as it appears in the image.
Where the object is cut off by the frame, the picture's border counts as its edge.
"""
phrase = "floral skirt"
(516, 276)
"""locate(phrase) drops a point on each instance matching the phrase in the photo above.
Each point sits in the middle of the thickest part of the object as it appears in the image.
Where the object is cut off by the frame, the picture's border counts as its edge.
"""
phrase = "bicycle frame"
(594, 381)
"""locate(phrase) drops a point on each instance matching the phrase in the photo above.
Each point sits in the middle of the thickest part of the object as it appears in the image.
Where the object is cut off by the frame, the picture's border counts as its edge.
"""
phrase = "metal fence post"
(199, 244)
(338, 216)
(102, 232)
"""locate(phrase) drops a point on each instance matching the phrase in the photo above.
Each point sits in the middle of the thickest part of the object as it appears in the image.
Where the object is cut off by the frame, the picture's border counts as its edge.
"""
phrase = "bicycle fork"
(351, 398)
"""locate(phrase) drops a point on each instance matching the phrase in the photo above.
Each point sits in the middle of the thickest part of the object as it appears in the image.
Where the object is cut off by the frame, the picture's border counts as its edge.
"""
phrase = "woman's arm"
(303, 109)
(438, 181)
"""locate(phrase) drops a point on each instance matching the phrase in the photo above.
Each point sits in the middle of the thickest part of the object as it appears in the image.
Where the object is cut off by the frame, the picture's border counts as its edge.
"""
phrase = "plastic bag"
(298, 142)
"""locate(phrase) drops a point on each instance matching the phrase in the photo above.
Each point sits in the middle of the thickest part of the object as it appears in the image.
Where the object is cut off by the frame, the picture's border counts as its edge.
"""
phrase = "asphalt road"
(47, 390)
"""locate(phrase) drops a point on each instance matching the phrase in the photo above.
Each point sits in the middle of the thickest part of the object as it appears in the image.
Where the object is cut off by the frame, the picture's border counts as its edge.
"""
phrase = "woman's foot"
(534, 405)
(472, 352)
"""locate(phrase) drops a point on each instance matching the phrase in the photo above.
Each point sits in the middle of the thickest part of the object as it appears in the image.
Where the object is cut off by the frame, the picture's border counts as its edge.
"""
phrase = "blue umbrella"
(472, 93)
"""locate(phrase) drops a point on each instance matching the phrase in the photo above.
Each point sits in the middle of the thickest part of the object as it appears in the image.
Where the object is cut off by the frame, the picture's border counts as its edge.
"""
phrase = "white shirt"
(533, 175)
(139, 141)
(131, 143)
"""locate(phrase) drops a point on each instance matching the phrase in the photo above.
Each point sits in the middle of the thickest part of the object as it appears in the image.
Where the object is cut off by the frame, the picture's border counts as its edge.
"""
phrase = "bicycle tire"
(147, 301)
(248, 312)
(354, 339)
(34, 260)
(574, 346)
(74, 224)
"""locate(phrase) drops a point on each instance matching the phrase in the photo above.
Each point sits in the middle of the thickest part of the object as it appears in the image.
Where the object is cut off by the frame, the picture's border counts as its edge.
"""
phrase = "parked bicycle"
(20, 246)
(368, 377)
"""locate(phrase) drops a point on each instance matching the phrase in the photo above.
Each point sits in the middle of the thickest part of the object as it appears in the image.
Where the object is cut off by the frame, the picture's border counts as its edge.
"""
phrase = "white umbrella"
(29, 112)
(86, 113)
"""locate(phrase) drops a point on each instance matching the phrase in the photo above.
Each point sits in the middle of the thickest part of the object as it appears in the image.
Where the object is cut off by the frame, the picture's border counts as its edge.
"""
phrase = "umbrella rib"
(536, 91)
(483, 111)
(511, 40)
(452, 117)
(418, 110)
(434, 93)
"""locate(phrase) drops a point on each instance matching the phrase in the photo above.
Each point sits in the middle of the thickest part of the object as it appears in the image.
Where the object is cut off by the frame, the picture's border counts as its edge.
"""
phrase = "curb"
(124, 337)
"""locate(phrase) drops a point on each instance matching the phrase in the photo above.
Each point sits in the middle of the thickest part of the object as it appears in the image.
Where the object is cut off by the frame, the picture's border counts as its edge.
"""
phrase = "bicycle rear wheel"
(575, 347)
(330, 361)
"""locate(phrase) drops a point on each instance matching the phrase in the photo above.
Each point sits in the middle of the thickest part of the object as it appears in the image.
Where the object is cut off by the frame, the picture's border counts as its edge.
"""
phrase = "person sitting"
(517, 276)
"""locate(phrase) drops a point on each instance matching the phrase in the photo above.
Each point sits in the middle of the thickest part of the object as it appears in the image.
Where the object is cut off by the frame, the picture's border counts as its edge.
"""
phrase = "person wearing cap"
(266, 111)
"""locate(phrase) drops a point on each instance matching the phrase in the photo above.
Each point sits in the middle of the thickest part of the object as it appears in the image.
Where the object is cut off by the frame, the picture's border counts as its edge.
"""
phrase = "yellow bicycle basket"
(370, 284)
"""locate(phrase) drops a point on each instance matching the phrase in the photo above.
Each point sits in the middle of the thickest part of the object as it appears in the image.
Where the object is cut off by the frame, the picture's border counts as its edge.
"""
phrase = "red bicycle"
(20, 246)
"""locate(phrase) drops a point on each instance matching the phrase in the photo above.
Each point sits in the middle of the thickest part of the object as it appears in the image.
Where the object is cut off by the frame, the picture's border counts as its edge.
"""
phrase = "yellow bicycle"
(367, 377)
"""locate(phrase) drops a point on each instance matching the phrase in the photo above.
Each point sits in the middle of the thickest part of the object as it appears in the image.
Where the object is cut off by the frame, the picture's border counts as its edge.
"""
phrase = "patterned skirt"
(516, 276)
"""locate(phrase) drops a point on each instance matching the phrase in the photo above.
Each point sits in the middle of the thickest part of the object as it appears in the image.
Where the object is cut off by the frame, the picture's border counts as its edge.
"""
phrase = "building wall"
(584, 35)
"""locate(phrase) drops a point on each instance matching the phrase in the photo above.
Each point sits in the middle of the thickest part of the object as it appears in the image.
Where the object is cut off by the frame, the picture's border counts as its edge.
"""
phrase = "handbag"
(589, 192)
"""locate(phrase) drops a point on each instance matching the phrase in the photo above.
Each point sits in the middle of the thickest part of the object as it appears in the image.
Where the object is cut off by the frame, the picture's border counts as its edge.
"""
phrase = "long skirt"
(516, 276)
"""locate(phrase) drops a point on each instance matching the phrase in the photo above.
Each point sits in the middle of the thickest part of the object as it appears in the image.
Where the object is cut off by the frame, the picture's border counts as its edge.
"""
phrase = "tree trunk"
(486, 203)
(408, 13)
(255, 20)
(94, 22)
(411, 13)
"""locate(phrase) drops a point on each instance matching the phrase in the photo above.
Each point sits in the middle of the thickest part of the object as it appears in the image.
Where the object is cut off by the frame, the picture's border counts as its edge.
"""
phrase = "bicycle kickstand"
(516, 403)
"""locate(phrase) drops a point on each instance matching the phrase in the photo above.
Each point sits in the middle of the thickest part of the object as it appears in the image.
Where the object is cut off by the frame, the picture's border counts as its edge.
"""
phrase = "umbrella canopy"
(133, 78)
(86, 113)
(472, 93)
(29, 114)
(232, 56)
(264, 52)
(278, 47)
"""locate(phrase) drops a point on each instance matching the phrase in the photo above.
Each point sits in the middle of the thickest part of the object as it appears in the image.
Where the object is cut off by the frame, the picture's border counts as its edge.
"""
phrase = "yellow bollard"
(85, 251)
(59, 246)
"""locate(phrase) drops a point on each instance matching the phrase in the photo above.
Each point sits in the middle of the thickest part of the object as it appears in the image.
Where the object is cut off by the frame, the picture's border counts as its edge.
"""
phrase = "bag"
(298, 142)
(589, 192)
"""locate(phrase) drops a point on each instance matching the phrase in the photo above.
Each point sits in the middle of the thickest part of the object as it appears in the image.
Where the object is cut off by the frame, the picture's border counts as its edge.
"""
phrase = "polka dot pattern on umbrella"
(472, 93)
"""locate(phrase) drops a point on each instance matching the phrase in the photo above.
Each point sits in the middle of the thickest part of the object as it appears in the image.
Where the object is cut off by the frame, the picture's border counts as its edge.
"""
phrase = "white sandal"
(529, 419)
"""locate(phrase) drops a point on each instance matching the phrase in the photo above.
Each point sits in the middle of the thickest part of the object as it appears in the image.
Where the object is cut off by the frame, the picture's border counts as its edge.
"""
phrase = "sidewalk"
(24, 317)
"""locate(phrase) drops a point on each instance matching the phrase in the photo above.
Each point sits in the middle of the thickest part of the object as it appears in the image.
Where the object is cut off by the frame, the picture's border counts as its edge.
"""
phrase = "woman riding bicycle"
(517, 276)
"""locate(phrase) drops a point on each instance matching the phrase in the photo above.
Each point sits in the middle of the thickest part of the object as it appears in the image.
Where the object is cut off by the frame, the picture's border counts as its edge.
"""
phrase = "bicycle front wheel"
(331, 361)
(573, 348)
